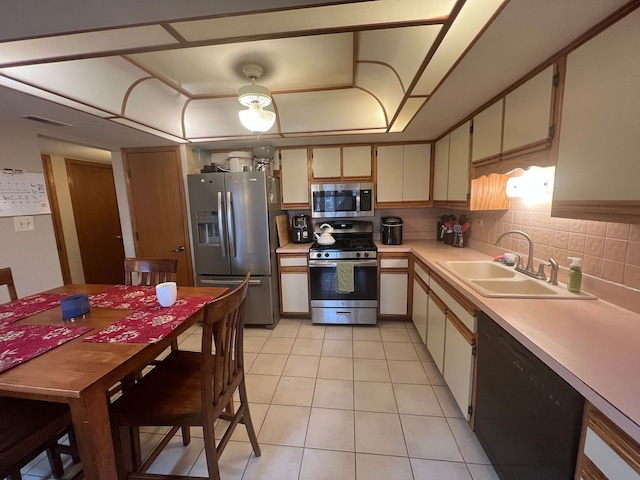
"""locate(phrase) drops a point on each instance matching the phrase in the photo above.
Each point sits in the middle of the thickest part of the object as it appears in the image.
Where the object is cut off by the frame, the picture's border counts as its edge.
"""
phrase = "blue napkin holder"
(75, 306)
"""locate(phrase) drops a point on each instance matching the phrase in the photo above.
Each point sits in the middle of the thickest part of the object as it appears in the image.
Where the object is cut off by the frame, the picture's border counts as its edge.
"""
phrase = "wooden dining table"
(80, 373)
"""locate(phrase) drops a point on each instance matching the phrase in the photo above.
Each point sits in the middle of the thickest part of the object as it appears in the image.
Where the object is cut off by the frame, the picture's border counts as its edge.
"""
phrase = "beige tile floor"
(335, 403)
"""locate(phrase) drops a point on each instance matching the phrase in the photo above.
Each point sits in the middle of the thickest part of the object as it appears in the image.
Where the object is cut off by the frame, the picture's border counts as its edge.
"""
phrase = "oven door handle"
(334, 264)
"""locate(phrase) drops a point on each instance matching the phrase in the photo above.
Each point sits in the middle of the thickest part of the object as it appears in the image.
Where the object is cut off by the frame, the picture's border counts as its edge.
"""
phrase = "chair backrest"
(223, 335)
(7, 279)
(149, 271)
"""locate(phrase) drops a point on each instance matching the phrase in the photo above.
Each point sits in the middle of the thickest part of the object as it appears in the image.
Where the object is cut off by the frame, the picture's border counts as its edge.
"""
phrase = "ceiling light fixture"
(255, 97)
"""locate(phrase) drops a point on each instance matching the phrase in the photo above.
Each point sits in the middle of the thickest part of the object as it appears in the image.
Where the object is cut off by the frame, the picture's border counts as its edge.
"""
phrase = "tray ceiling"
(351, 68)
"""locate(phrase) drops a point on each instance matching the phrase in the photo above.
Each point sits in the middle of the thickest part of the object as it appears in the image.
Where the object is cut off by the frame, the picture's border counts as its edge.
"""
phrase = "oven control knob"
(326, 254)
(358, 255)
(366, 254)
(318, 255)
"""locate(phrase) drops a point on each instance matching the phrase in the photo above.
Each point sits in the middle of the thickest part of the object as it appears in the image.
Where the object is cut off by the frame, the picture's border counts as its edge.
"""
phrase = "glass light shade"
(256, 119)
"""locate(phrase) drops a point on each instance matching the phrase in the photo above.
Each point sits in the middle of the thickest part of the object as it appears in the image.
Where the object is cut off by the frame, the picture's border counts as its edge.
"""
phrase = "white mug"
(167, 293)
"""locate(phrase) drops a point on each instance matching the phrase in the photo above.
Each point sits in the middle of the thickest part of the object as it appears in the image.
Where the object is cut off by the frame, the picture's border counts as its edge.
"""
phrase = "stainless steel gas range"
(350, 262)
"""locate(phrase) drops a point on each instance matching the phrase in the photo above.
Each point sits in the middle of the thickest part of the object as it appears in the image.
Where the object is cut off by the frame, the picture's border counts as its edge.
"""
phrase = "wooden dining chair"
(149, 271)
(28, 427)
(6, 278)
(190, 389)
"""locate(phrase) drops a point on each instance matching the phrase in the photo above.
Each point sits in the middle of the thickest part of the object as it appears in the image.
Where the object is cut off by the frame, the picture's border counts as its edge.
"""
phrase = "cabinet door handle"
(179, 249)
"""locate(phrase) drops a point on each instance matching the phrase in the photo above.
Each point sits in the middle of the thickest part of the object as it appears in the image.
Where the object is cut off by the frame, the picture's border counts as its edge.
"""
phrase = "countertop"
(593, 344)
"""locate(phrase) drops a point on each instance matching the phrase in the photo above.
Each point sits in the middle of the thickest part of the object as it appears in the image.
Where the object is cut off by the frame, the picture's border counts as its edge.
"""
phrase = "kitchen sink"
(492, 279)
(479, 269)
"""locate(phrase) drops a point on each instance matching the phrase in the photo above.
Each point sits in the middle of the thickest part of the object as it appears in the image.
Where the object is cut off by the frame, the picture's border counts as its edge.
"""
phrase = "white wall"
(32, 256)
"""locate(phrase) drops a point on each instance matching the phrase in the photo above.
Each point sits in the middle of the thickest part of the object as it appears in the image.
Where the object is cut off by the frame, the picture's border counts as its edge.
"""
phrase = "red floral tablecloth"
(19, 343)
(25, 307)
(126, 297)
(150, 323)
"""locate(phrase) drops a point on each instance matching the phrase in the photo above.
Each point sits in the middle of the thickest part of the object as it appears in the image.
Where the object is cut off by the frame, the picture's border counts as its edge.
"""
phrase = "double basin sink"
(492, 279)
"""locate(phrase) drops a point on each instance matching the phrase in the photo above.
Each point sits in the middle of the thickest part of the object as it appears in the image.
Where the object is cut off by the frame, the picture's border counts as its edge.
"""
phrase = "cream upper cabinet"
(341, 163)
(325, 163)
(294, 176)
(356, 162)
(527, 111)
(598, 167)
(487, 132)
(441, 170)
(458, 178)
(403, 173)
(389, 166)
(416, 173)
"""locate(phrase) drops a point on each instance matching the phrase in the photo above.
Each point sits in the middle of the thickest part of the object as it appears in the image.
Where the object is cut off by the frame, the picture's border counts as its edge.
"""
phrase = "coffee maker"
(300, 229)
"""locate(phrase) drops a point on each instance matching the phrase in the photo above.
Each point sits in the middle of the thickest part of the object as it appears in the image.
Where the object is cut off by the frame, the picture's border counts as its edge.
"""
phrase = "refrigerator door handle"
(231, 224)
(229, 282)
(221, 232)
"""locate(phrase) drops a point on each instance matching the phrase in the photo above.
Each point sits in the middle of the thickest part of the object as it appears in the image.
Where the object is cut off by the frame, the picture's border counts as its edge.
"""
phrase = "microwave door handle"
(231, 224)
(221, 232)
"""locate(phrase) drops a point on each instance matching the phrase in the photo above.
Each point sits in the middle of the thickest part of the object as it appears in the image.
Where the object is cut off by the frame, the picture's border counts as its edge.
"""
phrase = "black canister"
(391, 230)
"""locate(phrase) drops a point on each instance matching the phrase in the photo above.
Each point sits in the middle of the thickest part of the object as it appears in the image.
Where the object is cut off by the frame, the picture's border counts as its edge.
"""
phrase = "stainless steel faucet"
(528, 270)
(553, 279)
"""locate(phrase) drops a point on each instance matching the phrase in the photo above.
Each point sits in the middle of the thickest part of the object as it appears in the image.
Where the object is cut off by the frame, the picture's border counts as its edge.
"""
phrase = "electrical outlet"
(24, 224)
(477, 222)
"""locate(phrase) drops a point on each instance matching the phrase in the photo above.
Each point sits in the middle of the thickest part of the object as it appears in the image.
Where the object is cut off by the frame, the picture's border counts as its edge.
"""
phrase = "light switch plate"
(24, 224)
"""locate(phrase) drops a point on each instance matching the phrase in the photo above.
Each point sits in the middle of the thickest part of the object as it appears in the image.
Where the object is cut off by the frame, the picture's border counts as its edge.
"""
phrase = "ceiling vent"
(48, 121)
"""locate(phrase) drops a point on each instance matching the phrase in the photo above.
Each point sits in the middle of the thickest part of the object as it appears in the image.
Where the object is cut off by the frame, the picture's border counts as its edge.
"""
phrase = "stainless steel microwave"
(341, 200)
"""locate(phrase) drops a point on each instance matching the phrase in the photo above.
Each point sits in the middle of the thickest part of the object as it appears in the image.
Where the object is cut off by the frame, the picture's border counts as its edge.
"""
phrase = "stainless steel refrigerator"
(234, 232)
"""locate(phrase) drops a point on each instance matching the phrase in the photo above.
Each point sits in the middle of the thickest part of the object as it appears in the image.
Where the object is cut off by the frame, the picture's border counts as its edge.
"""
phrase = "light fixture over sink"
(255, 97)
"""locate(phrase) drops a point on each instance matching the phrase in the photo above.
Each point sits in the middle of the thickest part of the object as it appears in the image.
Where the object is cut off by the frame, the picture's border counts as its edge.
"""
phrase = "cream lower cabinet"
(436, 326)
(606, 452)
(394, 284)
(458, 362)
(294, 284)
(420, 300)
(451, 327)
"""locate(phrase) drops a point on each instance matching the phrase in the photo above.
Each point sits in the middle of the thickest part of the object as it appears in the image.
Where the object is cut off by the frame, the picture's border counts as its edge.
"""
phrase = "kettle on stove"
(325, 238)
(300, 232)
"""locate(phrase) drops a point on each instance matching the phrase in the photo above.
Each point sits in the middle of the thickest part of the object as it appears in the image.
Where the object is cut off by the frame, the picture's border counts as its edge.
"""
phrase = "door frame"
(56, 218)
(183, 202)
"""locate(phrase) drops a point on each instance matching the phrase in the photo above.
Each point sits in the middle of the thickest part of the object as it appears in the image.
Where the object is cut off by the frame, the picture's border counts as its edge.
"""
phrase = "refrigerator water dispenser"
(208, 233)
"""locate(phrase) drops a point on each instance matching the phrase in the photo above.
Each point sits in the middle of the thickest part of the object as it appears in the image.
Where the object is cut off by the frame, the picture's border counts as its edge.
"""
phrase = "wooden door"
(158, 207)
(95, 211)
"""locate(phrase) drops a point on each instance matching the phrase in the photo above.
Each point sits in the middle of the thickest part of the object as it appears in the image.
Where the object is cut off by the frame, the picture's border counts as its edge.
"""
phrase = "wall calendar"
(22, 193)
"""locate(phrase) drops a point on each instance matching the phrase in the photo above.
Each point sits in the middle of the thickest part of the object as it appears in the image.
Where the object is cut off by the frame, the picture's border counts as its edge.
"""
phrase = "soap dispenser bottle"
(575, 275)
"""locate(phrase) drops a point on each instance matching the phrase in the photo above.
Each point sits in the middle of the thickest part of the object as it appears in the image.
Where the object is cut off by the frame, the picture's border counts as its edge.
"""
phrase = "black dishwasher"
(527, 417)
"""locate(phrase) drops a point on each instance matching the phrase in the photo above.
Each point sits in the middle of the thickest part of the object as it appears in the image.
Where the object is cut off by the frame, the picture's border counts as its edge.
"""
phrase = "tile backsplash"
(609, 251)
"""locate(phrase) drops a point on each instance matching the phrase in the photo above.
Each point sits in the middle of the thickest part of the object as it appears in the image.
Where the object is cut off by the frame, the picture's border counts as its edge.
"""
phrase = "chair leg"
(186, 436)
(230, 408)
(55, 462)
(15, 475)
(75, 456)
(246, 417)
(211, 452)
